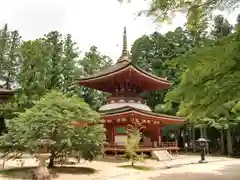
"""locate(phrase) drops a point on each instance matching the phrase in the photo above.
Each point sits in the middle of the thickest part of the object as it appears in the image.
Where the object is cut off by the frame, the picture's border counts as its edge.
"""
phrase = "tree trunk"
(229, 142)
(222, 141)
(51, 162)
(193, 138)
(201, 132)
(132, 163)
(183, 132)
(205, 136)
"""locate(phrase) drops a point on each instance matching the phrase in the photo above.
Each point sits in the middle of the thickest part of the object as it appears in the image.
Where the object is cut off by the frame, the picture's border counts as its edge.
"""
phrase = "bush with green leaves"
(54, 115)
(131, 146)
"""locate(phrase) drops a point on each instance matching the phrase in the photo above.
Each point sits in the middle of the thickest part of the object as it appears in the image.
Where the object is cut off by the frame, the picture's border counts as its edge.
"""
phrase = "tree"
(34, 77)
(210, 79)
(163, 9)
(197, 24)
(9, 56)
(132, 145)
(221, 27)
(165, 109)
(92, 62)
(54, 115)
(68, 63)
(47, 63)
(237, 26)
(155, 54)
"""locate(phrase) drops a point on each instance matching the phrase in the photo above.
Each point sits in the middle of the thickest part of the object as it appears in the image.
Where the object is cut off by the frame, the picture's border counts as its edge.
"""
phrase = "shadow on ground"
(110, 159)
(137, 167)
(228, 173)
(26, 172)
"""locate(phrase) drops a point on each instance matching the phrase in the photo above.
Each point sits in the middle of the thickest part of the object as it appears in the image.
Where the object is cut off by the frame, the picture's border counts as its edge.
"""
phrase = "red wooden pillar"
(154, 132)
(160, 134)
(109, 132)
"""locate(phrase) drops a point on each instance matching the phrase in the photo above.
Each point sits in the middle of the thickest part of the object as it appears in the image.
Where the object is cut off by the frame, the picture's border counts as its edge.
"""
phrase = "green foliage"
(92, 62)
(48, 63)
(224, 117)
(9, 56)
(197, 22)
(209, 81)
(154, 53)
(54, 115)
(162, 9)
(52, 62)
(221, 27)
(166, 109)
(132, 145)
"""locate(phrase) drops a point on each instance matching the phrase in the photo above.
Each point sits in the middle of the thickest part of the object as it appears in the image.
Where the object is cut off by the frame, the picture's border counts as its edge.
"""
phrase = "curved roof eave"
(115, 70)
(130, 109)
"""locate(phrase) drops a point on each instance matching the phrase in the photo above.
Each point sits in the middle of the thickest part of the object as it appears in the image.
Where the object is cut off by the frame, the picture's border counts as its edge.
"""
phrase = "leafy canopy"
(132, 145)
(54, 115)
(211, 78)
(163, 9)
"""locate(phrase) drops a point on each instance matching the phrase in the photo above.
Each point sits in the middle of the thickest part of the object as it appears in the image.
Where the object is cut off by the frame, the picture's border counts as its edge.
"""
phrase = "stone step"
(162, 155)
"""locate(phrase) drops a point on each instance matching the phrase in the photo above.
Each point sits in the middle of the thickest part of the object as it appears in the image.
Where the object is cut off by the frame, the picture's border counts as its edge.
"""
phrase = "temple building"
(124, 82)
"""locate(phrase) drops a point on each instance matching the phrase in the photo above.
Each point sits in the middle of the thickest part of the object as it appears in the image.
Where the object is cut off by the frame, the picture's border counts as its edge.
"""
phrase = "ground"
(213, 171)
(182, 167)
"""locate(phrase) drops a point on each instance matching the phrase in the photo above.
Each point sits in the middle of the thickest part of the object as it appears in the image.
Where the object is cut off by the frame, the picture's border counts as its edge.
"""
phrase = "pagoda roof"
(120, 66)
(117, 71)
(112, 69)
(166, 119)
(122, 70)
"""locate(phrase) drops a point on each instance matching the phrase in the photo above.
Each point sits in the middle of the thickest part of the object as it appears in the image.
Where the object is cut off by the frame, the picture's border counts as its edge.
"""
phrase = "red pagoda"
(124, 82)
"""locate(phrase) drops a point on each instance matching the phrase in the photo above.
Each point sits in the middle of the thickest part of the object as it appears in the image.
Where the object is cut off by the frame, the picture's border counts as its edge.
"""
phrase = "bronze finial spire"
(125, 55)
(124, 48)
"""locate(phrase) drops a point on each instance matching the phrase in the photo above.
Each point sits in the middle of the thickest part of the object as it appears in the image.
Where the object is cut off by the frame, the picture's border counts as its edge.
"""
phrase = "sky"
(90, 22)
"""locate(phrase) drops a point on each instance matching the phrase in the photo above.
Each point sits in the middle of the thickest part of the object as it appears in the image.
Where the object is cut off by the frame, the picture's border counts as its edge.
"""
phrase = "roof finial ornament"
(124, 50)
(125, 55)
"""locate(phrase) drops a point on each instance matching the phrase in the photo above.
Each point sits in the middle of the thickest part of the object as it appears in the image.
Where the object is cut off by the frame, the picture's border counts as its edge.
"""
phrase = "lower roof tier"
(124, 72)
(123, 115)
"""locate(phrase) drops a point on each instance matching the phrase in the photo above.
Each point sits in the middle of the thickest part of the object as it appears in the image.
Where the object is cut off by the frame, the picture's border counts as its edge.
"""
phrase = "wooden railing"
(146, 144)
(126, 99)
(144, 147)
(168, 144)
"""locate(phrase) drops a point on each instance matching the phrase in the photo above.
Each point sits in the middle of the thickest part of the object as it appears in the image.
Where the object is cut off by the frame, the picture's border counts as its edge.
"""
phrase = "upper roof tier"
(124, 71)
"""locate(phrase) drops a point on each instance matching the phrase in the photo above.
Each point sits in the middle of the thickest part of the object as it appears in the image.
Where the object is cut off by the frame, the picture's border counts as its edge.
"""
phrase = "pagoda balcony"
(118, 99)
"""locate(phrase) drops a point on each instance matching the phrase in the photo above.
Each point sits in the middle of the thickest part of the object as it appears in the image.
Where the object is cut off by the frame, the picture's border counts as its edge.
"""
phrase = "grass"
(26, 172)
(137, 167)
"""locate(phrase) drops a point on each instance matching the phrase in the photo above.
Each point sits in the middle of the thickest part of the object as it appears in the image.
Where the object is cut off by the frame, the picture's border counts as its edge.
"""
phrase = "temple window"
(120, 130)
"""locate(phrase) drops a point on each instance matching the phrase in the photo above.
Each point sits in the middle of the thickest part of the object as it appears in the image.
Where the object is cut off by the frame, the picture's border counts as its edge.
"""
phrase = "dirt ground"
(182, 168)
(213, 171)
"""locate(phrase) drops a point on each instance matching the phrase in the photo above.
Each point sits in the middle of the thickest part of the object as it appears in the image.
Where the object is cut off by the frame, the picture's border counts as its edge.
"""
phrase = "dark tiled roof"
(118, 66)
(111, 69)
